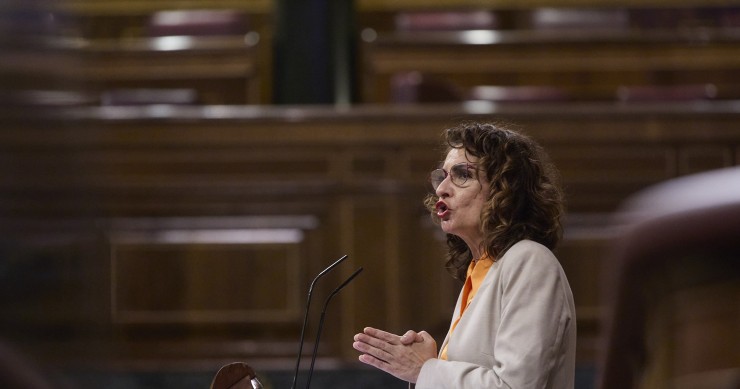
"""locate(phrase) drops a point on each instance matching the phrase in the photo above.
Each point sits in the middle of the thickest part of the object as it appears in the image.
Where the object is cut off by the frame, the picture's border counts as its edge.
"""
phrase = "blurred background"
(173, 173)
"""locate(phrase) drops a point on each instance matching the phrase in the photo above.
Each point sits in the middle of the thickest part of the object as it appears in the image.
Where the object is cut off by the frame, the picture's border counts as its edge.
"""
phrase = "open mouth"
(441, 208)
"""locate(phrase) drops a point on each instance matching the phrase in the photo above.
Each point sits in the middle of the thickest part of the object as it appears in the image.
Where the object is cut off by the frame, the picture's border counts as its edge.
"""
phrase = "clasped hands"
(401, 356)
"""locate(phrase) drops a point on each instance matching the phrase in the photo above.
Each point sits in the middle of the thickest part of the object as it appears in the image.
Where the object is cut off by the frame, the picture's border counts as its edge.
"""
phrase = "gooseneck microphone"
(321, 323)
(305, 316)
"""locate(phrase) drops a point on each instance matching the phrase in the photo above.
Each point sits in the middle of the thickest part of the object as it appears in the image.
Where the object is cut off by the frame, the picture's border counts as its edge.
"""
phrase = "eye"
(461, 173)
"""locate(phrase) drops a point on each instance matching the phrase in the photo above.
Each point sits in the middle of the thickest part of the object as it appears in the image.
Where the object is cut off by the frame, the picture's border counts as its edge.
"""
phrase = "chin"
(447, 228)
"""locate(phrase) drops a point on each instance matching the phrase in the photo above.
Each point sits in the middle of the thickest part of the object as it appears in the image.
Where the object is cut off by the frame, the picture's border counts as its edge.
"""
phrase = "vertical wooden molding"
(394, 303)
(349, 299)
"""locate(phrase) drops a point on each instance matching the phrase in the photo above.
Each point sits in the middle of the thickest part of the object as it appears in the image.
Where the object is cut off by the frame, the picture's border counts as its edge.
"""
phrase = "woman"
(497, 198)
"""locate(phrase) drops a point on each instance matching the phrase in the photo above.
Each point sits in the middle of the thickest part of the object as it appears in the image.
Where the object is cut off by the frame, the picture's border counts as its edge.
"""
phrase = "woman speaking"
(497, 198)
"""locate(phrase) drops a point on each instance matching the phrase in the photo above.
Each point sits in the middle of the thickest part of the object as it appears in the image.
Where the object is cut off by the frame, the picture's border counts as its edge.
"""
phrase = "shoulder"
(530, 256)
(531, 269)
(530, 250)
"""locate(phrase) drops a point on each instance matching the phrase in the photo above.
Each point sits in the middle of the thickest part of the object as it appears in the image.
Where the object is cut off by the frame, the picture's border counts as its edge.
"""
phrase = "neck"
(475, 245)
(477, 253)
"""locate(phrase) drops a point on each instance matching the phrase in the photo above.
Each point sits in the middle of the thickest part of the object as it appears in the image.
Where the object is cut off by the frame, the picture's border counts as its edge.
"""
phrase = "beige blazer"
(518, 332)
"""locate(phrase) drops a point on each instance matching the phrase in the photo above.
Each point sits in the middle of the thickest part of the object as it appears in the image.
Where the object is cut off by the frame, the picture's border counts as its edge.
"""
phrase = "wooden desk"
(223, 70)
(385, 5)
(128, 7)
(588, 64)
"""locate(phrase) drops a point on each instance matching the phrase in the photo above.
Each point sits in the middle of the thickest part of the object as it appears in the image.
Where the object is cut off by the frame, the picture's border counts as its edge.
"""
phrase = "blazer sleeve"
(534, 316)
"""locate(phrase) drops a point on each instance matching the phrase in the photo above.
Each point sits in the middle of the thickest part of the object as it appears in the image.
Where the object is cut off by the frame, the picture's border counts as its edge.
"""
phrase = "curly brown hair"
(525, 200)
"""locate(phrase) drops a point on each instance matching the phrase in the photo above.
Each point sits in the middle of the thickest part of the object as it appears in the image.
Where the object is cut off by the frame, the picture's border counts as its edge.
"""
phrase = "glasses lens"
(436, 177)
(459, 174)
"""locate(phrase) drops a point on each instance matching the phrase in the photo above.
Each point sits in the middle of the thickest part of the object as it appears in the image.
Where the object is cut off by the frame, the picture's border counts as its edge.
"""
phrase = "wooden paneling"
(701, 158)
(201, 282)
(359, 173)
(612, 172)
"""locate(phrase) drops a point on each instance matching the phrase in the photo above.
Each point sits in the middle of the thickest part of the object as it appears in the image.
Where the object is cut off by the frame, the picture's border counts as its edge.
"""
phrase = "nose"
(443, 190)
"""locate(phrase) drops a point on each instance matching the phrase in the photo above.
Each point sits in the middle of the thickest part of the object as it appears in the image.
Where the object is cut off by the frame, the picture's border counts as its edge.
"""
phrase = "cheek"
(474, 203)
(479, 201)
(476, 209)
(473, 210)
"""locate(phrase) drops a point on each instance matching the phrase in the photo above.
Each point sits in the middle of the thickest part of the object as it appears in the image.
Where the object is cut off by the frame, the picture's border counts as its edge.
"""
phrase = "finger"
(380, 334)
(375, 362)
(425, 336)
(410, 337)
(377, 347)
(428, 348)
(372, 351)
(374, 342)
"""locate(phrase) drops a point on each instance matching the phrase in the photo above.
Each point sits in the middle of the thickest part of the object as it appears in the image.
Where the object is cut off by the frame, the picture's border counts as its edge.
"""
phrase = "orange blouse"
(477, 271)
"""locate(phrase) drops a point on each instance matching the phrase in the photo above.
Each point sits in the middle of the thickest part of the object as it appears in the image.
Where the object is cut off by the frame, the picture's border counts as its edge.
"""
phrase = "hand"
(411, 337)
(387, 352)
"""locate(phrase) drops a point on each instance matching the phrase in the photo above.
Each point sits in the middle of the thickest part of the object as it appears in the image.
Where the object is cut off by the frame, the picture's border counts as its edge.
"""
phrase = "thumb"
(410, 337)
(424, 336)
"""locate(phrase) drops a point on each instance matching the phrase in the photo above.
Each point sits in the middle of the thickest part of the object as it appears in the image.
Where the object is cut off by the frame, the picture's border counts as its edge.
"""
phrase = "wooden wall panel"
(600, 177)
(428, 292)
(129, 176)
(201, 282)
(371, 239)
(53, 284)
(702, 158)
(582, 259)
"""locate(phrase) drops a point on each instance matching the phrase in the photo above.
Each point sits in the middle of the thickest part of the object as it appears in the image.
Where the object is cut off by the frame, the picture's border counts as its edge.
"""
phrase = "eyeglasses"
(459, 175)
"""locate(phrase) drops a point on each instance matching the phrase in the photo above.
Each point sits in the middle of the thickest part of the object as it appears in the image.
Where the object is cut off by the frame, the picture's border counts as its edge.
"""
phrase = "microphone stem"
(321, 323)
(305, 316)
(315, 350)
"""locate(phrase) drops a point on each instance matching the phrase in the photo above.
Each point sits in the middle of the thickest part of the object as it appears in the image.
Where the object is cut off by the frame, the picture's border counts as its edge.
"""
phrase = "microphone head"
(236, 375)
(256, 384)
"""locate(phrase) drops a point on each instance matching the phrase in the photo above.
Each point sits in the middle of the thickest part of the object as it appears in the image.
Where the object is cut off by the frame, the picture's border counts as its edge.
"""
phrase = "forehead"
(458, 155)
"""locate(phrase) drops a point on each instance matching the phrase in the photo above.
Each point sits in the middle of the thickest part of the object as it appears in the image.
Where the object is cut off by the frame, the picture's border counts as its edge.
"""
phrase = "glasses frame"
(454, 178)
